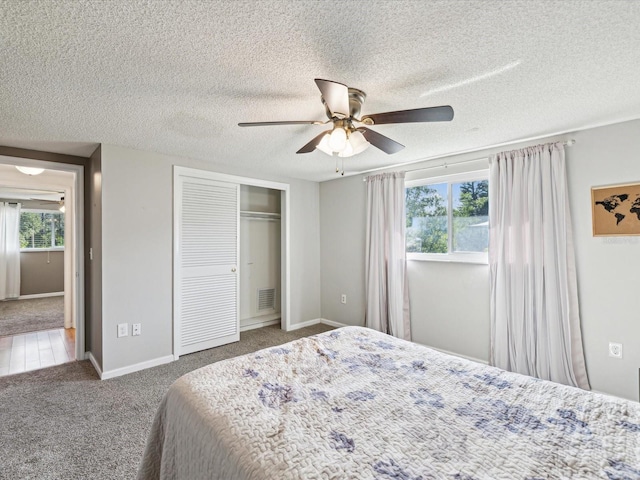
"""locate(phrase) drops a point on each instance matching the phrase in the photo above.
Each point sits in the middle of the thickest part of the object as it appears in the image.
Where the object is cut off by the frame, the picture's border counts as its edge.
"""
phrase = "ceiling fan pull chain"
(342, 166)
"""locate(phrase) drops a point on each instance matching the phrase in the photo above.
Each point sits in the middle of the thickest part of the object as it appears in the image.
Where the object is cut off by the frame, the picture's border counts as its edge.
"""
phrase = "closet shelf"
(250, 214)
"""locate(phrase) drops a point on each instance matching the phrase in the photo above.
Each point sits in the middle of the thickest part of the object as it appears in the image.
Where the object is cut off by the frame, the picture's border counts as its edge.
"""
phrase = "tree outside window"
(471, 216)
(448, 217)
(41, 229)
(427, 219)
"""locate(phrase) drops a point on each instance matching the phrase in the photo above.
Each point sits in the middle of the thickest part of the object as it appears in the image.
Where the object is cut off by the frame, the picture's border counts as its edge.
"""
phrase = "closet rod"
(261, 215)
(568, 143)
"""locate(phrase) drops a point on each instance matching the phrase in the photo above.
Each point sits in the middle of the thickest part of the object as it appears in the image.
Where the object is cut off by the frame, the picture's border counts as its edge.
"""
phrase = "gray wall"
(607, 267)
(137, 237)
(343, 206)
(450, 302)
(41, 272)
(450, 306)
(93, 268)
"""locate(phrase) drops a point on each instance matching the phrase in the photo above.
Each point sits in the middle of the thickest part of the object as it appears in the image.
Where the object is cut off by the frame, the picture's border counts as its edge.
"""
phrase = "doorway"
(41, 311)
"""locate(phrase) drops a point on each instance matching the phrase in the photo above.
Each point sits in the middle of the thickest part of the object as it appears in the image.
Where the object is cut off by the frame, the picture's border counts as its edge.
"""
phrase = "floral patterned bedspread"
(357, 404)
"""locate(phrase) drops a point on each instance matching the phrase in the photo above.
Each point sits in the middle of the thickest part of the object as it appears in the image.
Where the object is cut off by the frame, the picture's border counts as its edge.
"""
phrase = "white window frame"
(48, 249)
(451, 256)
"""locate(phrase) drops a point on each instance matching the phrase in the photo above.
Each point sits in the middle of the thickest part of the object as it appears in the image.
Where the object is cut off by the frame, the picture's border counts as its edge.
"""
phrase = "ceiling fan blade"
(380, 141)
(286, 122)
(429, 114)
(311, 146)
(336, 96)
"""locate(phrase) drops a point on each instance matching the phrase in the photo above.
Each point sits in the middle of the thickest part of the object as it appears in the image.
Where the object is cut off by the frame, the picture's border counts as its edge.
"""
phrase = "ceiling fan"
(48, 203)
(349, 134)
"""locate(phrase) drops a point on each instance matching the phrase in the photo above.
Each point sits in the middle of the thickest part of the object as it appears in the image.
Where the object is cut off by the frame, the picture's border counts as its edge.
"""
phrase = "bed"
(354, 403)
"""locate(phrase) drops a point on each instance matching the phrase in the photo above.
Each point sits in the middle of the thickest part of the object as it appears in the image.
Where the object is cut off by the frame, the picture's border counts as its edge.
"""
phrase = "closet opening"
(260, 257)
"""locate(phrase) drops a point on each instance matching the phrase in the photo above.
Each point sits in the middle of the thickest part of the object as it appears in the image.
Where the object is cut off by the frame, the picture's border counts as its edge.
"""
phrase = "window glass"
(448, 220)
(470, 201)
(427, 218)
(41, 229)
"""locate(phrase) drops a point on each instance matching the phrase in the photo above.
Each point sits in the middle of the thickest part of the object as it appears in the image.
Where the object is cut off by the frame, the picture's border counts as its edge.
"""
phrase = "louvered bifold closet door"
(208, 235)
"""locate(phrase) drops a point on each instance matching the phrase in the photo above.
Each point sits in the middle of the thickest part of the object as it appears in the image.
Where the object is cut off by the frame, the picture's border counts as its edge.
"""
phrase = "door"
(206, 289)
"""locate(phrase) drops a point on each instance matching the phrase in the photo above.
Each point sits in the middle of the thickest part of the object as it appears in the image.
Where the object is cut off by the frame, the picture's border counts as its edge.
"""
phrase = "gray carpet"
(64, 423)
(32, 315)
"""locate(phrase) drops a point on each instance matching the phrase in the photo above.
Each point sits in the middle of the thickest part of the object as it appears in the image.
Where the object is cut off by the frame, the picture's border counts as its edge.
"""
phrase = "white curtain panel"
(387, 288)
(9, 250)
(535, 320)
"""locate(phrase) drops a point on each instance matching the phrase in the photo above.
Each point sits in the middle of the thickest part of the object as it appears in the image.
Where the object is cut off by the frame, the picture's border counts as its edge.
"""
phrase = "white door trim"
(285, 237)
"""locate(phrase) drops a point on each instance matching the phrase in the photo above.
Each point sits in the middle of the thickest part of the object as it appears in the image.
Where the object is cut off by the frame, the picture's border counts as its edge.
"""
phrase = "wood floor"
(30, 351)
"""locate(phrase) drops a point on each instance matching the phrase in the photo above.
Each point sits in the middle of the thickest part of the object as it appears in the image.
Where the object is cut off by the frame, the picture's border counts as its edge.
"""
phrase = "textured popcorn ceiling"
(177, 77)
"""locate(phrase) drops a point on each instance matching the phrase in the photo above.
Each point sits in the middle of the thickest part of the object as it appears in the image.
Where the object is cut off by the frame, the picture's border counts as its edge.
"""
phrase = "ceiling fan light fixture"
(358, 142)
(355, 144)
(347, 151)
(323, 146)
(338, 139)
(30, 170)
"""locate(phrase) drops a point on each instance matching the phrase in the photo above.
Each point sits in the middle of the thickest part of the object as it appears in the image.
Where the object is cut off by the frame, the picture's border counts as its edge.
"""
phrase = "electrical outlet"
(123, 330)
(615, 350)
(135, 329)
(343, 298)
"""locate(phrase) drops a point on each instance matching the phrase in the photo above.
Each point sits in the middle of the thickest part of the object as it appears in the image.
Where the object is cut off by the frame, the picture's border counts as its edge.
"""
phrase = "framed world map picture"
(616, 210)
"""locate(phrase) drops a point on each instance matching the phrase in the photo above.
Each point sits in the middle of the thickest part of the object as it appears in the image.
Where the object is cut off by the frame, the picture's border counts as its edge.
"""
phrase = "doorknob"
(233, 269)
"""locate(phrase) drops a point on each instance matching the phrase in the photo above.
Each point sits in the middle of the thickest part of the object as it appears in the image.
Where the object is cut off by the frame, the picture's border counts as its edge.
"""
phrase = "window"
(448, 218)
(41, 229)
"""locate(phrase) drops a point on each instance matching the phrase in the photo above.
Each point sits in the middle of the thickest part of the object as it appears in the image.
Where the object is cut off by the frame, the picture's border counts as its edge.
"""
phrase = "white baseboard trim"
(117, 372)
(331, 323)
(266, 323)
(41, 295)
(316, 321)
(308, 323)
(94, 362)
(441, 350)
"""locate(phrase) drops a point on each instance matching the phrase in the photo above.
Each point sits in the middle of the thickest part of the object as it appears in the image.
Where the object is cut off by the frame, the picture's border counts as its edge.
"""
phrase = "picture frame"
(616, 210)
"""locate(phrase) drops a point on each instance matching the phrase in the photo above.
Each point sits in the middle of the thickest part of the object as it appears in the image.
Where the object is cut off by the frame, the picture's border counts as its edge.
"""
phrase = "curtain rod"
(568, 143)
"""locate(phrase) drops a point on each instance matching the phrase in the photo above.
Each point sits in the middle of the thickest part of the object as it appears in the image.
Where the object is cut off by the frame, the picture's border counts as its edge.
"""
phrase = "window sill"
(473, 258)
(51, 249)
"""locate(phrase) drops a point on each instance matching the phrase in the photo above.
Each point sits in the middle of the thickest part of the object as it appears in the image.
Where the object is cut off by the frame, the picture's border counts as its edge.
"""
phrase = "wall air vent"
(266, 299)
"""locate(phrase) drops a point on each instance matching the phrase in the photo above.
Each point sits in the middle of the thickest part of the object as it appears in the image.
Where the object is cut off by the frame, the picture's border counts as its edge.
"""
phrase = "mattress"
(355, 403)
